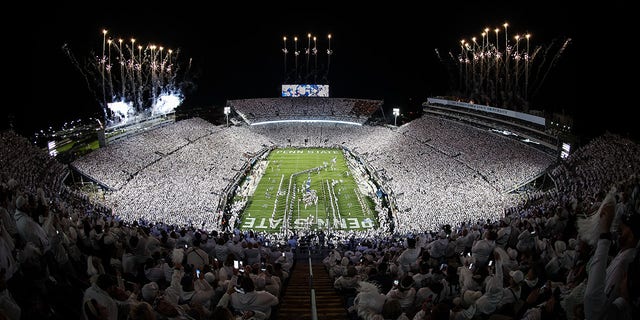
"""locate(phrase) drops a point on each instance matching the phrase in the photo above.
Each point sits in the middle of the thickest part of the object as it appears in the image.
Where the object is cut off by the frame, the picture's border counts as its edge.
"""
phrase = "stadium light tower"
(396, 113)
(227, 110)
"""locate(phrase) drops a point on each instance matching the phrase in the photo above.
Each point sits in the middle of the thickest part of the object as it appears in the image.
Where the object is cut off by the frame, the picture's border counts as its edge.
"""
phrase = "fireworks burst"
(132, 81)
(501, 71)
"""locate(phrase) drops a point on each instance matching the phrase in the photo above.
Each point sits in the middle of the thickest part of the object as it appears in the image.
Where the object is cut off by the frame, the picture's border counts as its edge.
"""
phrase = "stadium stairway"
(295, 304)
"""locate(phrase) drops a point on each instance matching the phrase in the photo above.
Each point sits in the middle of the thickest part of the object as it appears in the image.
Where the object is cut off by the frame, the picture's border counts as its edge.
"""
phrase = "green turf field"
(307, 188)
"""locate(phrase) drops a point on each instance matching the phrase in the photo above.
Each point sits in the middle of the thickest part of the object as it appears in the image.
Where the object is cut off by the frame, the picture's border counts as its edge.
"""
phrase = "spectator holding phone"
(223, 312)
(483, 249)
(408, 257)
(98, 299)
(252, 300)
(404, 292)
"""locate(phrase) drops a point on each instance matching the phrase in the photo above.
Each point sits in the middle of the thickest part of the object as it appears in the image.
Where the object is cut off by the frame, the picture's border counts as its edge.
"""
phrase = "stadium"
(230, 174)
(312, 205)
(308, 177)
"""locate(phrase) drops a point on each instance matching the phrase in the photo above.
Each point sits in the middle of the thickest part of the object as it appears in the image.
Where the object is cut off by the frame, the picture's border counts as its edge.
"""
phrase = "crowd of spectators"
(490, 154)
(448, 173)
(569, 256)
(66, 257)
(305, 108)
(129, 156)
(202, 164)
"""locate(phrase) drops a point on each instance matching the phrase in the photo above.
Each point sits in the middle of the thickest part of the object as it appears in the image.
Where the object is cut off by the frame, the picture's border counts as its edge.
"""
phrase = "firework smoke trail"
(438, 55)
(516, 57)
(551, 65)
(153, 72)
(108, 69)
(157, 73)
(131, 74)
(540, 66)
(140, 82)
(74, 61)
(186, 81)
(144, 75)
(161, 67)
(122, 64)
(447, 66)
(92, 69)
(169, 74)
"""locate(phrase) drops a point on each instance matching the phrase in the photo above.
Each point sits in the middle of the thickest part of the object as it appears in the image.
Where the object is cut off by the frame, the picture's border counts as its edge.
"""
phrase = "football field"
(306, 188)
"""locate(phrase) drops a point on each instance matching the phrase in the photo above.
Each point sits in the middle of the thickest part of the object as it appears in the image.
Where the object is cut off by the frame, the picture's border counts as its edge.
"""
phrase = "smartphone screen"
(198, 273)
(396, 282)
(235, 264)
(283, 254)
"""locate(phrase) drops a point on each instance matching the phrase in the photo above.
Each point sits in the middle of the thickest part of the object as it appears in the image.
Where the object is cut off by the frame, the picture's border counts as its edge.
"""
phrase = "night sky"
(379, 52)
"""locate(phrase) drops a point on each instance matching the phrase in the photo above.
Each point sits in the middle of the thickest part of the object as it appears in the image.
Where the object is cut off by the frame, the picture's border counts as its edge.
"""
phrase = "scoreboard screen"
(566, 149)
(305, 90)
